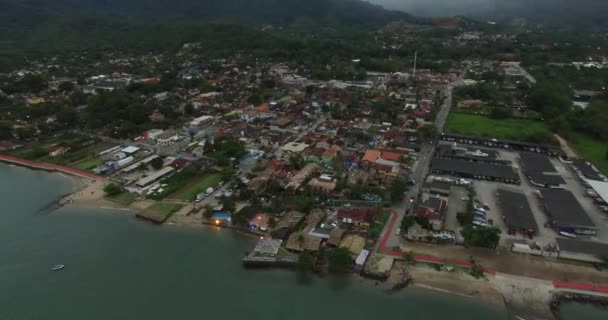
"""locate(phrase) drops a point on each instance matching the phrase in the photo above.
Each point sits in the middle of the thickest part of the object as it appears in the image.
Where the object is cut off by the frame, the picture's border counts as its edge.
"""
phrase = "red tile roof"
(429, 214)
(357, 214)
(263, 108)
(179, 164)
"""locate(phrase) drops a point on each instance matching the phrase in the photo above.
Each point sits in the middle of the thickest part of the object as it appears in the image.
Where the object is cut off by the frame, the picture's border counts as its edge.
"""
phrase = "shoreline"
(88, 193)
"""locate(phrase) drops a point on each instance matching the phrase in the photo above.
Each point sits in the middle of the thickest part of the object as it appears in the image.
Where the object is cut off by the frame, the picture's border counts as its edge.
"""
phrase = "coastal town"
(403, 177)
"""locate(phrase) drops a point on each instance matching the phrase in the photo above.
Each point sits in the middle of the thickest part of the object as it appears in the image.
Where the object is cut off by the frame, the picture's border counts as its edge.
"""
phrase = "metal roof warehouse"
(582, 250)
(476, 170)
(565, 212)
(516, 211)
(540, 171)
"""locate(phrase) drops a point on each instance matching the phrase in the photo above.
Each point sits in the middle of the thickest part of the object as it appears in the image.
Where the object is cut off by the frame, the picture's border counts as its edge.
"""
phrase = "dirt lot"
(517, 264)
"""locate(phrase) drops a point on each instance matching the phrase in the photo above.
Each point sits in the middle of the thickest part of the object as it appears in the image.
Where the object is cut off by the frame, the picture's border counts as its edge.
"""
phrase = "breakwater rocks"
(571, 297)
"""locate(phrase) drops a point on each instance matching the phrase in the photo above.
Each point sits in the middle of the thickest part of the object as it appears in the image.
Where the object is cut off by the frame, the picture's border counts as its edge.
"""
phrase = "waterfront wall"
(48, 167)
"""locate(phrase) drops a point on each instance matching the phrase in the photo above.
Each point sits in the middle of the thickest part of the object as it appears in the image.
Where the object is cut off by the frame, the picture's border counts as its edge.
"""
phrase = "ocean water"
(120, 268)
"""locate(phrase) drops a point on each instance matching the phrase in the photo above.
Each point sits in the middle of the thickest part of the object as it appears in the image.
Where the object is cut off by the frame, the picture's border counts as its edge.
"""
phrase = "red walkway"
(580, 286)
(47, 166)
(397, 254)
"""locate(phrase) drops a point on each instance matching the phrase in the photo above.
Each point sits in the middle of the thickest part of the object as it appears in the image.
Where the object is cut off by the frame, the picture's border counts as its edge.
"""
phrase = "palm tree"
(301, 240)
(143, 167)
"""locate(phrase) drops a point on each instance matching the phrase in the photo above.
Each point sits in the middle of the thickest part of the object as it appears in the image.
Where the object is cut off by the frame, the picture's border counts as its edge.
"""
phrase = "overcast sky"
(438, 7)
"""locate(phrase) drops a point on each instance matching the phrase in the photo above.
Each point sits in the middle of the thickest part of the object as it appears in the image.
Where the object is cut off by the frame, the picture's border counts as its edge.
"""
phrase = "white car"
(398, 231)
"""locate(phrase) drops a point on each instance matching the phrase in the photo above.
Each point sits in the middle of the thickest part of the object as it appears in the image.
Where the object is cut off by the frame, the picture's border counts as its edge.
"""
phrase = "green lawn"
(189, 192)
(160, 212)
(124, 197)
(592, 150)
(379, 221)
(88, 164)
(511, 129)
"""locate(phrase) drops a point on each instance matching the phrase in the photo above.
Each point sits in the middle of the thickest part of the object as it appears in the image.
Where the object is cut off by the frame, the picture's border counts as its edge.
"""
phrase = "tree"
(112, 189)
(339, 260)
(305, 262)
(65, 86)
(407, 223)
(67, 116)
(500, 112)
(208, 212)
(398, 188)
(424, 223)
(272, 222)
(303, 203)
(157, 163)
(143, 167)
(228, 204)
(481, 237)
(188, 109)
(409, 257)
(427, 133)
(5, 130)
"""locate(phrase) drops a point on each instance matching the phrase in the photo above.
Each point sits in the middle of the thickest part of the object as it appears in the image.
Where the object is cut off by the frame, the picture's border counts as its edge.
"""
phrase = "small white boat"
(58, 267)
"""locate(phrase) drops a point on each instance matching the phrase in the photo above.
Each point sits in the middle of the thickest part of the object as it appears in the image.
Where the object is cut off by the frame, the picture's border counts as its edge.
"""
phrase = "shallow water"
(120, 268)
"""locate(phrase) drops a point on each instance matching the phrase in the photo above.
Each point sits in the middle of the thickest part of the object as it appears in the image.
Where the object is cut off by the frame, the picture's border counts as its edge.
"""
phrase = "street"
(418, 174)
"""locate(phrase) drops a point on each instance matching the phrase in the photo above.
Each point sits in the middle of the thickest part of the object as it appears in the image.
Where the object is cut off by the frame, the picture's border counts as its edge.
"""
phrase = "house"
(315, 155)
(302, 175)
(286, 223)
(360, 218)
(200, 121)
(35, 101)
(324, 184)
(387, 158)
(361, 259)
(433, 209)
(56, 151)
(167, 138)
(294, 147)
(179, 164)
(329, 155)
(156, 116)
(267, 247)
(335, 237)
(259, 221)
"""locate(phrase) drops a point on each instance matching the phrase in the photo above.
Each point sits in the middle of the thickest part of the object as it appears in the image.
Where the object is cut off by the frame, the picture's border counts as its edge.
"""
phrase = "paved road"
(419, 172)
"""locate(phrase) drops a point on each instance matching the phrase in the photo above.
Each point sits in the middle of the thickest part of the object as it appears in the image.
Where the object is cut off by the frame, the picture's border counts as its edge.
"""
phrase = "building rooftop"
(601, 188)
(565, 210)
(516, 210)
(357, 214)
(268, 246)
(587, 170)
(581, 246)
(480, 169)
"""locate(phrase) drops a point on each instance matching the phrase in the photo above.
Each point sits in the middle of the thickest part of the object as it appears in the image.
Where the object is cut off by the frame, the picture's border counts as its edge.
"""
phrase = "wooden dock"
(251, 261)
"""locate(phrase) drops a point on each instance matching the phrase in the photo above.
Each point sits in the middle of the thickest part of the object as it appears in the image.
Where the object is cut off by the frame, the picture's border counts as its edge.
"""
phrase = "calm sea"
(121, 268)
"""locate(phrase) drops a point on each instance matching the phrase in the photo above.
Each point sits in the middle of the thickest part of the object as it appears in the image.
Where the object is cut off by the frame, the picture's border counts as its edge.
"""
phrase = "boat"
(58, 267)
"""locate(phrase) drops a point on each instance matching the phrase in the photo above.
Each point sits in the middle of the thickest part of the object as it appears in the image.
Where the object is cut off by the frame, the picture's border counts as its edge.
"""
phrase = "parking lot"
(574, 185)
(486, 193)
(456, 204)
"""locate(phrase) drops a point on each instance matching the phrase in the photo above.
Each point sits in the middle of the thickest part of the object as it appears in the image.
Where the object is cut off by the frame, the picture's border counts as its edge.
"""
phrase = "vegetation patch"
(511, 129)
(123, 197)
(160, 212)
(593, 150)
(380, 220)
(88, 164)
(201, 184)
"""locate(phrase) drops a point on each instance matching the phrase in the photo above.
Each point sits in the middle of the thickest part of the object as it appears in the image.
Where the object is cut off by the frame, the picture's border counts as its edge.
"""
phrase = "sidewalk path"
(49, 167)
